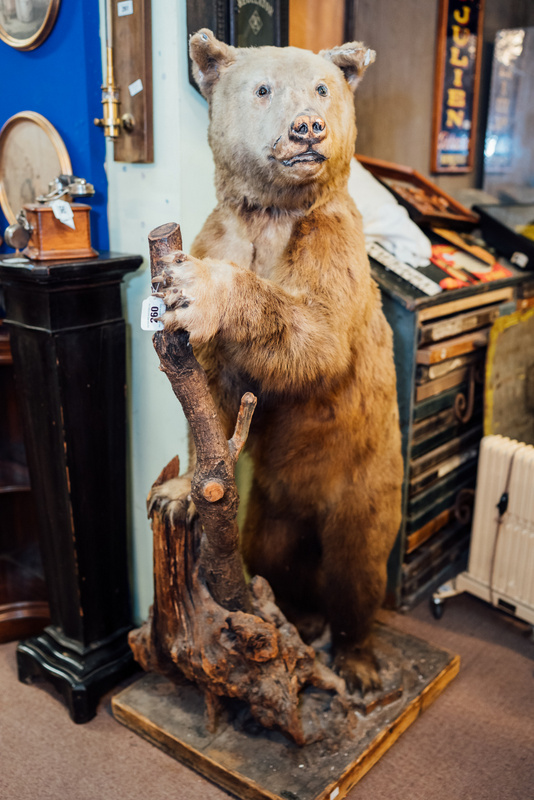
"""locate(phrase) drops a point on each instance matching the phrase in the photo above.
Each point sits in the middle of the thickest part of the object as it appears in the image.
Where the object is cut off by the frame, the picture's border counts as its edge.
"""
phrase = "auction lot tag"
(125, 8)
(63, 212)
(135, 87)
(152, 308)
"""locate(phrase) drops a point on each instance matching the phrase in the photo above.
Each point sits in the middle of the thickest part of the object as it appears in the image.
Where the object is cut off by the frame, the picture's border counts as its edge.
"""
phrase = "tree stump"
(206, 624)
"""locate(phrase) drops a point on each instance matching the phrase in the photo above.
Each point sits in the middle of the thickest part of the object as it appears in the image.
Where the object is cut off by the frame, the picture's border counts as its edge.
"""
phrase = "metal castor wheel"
(436, 607)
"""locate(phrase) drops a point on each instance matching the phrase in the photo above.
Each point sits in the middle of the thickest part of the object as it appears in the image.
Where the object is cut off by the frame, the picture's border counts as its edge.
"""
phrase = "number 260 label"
(152, 308)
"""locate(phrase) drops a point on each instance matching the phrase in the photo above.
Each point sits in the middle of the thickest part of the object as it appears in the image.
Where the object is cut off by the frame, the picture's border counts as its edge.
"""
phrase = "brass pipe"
(111, 121)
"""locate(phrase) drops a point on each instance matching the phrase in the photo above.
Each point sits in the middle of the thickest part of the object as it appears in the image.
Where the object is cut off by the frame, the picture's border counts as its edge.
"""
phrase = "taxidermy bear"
(278, 299)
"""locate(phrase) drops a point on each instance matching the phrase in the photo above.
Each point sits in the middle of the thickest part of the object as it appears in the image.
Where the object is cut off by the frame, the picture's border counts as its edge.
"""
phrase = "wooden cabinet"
(23, 597)
(440, 348)
(68, 341)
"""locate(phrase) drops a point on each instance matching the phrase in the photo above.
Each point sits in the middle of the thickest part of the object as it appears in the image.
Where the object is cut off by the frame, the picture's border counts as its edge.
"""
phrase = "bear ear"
(352, 58)
(210, 58)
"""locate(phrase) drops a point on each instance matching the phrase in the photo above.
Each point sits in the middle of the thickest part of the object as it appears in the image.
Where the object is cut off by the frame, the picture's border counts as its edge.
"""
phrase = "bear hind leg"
(286, 551)
(356, 546)
(351, 624)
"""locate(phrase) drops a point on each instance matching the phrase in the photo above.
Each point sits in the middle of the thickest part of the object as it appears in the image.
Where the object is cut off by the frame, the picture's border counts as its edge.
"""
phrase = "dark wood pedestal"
(67, 337)
(23, 598)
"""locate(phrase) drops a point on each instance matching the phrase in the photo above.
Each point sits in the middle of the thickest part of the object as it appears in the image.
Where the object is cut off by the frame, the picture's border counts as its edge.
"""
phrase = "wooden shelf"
(20, 580)
(13, 477)
(24, 608)
(5, 349)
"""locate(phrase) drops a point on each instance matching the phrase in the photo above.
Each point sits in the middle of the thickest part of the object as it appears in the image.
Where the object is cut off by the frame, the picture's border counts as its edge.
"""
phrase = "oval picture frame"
(27, 17)
(32, 154)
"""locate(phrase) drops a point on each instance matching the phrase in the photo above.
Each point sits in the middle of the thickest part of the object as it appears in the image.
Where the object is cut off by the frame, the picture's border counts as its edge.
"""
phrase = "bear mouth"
(309, 156)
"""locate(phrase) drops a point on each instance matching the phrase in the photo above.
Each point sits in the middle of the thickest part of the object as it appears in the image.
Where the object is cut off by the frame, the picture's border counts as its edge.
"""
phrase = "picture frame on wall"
(32, 154)
(456, 85)
(25, 24)
(241, 23)
(255, 23)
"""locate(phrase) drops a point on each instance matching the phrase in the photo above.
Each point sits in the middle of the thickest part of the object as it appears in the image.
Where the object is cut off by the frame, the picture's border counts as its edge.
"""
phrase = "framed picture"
(508, 151)
(32, 154)
(254, 23)
(456, 84)
(242, 23)
(25, 24)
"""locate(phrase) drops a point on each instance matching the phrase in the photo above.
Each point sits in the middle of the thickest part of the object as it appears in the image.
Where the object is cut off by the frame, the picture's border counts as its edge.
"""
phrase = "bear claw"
(172, 500)
(360, 670)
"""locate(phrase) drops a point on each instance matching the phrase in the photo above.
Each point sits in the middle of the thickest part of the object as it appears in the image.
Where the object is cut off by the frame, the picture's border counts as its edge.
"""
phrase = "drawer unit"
(440, 347)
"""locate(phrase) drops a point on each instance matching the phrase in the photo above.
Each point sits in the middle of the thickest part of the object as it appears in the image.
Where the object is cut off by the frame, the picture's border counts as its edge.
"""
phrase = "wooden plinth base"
(255, 764)
(81, 674)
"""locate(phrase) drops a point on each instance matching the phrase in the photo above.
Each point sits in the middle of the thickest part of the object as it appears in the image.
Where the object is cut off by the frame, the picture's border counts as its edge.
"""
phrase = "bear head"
(282, 123)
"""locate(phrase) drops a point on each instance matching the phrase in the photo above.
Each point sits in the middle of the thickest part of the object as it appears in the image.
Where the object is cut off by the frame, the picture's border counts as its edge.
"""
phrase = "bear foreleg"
(283, 340)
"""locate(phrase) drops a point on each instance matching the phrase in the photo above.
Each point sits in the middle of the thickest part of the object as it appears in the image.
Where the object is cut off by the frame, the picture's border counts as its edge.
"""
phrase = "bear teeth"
(303, 158)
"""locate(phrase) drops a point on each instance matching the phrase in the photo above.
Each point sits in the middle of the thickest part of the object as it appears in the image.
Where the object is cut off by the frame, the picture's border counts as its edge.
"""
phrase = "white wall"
(177, 187)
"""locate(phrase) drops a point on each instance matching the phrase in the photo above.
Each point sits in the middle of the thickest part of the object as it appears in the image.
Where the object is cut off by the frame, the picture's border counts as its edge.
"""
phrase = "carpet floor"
(476, 742)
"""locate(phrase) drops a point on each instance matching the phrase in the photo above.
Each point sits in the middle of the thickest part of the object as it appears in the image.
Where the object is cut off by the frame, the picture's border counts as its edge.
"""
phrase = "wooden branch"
(213, 486)
(244, 418)
(205, 623)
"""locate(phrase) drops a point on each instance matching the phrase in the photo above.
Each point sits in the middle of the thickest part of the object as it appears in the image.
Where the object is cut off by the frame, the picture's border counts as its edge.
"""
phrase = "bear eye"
(322, 90)
(263, 91)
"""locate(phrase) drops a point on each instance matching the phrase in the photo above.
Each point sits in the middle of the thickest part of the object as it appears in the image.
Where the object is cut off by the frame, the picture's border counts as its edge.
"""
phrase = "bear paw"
(195, 292)
(172, 500)
(359, 668)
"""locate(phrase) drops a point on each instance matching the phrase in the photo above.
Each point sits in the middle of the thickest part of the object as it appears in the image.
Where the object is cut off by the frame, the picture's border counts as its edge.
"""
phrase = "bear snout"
(307, 128)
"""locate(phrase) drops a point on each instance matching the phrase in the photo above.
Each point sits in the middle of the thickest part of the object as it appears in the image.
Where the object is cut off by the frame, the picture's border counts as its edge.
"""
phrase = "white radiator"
(501, 555)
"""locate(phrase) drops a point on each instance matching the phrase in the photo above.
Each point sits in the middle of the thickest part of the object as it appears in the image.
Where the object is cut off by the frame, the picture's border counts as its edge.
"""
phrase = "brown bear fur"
(278, 299)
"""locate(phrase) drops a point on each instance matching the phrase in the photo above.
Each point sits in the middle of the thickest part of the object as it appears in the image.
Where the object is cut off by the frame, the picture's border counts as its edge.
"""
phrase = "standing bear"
(278, 299)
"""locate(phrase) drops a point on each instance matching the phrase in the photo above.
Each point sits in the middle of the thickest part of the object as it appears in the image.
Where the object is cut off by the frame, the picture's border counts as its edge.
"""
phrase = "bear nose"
(308, 128)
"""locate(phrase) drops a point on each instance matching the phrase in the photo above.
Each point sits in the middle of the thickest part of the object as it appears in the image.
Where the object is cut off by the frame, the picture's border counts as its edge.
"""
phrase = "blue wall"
(61, 80)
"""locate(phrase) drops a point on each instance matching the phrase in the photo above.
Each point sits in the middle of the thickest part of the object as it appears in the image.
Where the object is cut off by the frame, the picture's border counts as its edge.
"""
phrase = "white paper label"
(124, 8)
(16, 260)
(401, 269)
(63, 212)
(335, 793)
(135, 87)
(519, 259)
(152, 308)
